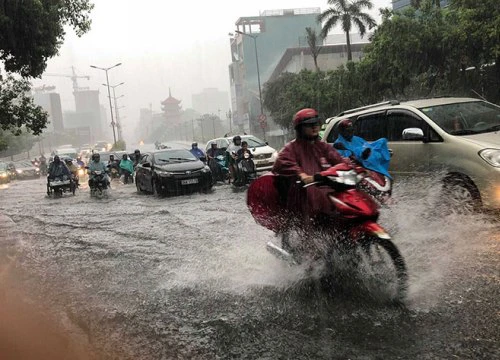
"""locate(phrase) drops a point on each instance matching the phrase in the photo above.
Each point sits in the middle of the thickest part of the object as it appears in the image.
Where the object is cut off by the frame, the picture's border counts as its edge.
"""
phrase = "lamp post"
(109, 95)
(117, 115)
(254, 37)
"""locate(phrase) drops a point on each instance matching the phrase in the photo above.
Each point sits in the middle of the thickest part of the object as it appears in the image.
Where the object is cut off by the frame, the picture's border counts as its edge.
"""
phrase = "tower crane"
(74, 78)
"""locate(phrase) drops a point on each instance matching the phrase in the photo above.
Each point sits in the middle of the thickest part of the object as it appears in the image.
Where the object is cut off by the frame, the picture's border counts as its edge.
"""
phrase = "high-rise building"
(211, 101)
(267, 36)
(51, 103)
(88, 108)
(402, 4)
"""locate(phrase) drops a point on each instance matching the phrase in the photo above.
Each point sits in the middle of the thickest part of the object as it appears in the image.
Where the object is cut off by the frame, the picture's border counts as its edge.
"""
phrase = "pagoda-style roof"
(170, 100)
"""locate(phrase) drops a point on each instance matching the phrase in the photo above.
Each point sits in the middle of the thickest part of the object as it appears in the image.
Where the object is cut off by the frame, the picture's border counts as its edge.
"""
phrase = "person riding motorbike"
(373, 156)
(137, 157)
(96, 165)
(231, 156)
(80, 162)
(213, 151)
(244, 154)
(127, 168)
(58, 169)
(196, 151)
(43, 165)
(73, 169)
(301, 159)
(113, 164)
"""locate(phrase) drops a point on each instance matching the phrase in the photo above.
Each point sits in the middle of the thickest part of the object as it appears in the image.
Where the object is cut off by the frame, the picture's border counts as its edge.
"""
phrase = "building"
(402, 4)
(330, 58)
(211, 101)
(51, 103)
(259, 42)
(172, 109)
(88, 109)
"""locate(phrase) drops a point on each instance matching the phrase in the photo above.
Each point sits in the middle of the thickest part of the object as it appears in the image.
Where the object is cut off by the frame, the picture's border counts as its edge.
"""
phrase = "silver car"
(460, 136)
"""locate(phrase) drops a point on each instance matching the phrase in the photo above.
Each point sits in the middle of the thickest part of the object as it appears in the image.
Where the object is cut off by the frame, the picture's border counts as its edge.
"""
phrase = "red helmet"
(305, 116)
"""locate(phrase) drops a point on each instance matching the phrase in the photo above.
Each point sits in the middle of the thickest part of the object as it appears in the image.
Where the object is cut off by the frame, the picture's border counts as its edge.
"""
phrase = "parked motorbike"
(98, 184)
(347, 231)
(59, 185)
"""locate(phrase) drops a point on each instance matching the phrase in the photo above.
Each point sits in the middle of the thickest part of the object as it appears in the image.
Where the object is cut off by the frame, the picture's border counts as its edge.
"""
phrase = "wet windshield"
(178, 155)
(466, 118)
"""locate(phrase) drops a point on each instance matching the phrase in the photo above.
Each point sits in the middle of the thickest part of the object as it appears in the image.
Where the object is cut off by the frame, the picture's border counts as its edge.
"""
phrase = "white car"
(264, 156)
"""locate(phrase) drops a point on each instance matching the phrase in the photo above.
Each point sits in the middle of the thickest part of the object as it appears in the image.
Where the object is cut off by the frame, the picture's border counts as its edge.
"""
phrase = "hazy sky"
(178, 44)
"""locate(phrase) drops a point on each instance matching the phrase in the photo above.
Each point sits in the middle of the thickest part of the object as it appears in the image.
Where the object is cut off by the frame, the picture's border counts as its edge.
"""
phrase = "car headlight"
(164, 173)
(19, 171)
(491, 156)
(37, 169)
(206, 169)
(4, 175)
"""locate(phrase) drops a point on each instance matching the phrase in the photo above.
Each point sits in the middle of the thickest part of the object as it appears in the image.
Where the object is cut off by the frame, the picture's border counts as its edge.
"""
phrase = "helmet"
(194, 144)
(345, 124)
(56, 159)
(137, 151)
(305, 116)
(236, 138)
(68, 161)
(124, 156)
(96, 156)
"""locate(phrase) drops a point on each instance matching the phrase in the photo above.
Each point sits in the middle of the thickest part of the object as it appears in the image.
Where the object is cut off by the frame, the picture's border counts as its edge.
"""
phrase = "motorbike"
(114, 172)
(43, 168)
(218, 166)
(246, 171)
(99, 184)
(59, 185)
(347, 233)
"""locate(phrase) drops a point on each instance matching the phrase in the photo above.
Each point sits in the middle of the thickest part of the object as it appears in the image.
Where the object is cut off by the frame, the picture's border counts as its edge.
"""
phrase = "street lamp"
(254, 37)
(109, 94)
(118, 125)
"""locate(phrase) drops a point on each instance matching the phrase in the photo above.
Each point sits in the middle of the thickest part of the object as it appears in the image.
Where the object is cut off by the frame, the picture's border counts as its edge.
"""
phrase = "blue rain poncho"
(379, 157)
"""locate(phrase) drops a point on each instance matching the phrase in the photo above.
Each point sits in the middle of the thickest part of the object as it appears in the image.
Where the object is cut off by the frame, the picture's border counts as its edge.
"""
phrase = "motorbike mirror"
(146, 165)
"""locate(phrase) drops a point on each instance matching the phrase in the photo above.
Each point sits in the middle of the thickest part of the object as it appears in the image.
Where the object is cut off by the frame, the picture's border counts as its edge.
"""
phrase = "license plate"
(189, 181)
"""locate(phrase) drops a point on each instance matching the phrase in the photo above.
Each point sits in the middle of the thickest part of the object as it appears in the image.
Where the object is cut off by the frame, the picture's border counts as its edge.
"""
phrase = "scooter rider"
(127, 168)
(96, 165)
(231, 154)
(196, 151)
(300, 159)
(137, 157)
(73, 169)
(58, 169)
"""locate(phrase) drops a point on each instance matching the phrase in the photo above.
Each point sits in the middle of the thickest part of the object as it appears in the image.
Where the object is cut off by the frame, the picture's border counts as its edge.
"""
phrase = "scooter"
(347, 229)
(246, 171)
(59, 185)
(98, 185)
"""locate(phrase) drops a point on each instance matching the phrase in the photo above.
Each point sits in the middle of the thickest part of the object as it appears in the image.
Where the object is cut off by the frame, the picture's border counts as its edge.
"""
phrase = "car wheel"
(461, 195)
(155, 188)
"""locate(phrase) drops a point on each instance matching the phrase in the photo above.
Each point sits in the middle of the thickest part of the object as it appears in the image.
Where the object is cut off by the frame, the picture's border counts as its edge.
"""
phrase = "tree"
(347, 13)
(418, 3)
(314, 42)
(32, 31)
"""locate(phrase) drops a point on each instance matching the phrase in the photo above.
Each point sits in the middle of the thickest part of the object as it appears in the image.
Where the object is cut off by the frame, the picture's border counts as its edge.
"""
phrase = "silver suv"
(460, 136)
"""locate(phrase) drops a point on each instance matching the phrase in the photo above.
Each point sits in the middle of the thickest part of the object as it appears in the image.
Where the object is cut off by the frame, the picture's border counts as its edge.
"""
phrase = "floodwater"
(136, 277)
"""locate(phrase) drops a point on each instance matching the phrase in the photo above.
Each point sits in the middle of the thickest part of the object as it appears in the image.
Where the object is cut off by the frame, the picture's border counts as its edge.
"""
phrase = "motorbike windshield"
(465, 118)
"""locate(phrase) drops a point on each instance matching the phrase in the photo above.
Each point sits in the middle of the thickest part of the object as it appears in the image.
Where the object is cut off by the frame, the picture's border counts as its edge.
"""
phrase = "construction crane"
(43, 89)
(73, 78)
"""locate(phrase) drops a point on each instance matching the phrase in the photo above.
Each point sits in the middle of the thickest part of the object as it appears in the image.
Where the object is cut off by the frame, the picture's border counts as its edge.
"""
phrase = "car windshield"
(23, 164)
(3, 166)
(173, 156)
(465, 118)
(105, 156)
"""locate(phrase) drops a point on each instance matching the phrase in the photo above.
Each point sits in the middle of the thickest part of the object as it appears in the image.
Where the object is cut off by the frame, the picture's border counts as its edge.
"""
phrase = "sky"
(181, 45)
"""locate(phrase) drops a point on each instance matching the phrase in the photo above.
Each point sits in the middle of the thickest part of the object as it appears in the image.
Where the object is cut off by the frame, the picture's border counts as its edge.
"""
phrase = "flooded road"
(189, 277)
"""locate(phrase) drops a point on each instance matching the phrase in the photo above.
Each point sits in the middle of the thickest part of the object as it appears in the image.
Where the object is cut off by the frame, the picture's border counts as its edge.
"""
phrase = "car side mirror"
(413, 134)
(146, 165)
(267, 143)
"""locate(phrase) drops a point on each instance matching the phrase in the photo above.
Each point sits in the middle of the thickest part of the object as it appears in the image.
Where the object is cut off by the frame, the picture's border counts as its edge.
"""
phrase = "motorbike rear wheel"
(383, 268)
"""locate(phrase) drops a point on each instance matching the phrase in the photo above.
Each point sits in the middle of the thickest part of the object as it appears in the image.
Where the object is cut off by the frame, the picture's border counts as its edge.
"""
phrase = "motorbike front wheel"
(383, 268)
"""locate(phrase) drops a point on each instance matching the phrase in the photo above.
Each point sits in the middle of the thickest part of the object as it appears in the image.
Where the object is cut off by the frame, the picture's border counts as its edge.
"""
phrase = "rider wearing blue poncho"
(373, 156)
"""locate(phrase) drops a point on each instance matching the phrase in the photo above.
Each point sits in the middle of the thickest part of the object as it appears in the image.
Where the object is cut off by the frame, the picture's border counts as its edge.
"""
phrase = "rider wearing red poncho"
(300, 159)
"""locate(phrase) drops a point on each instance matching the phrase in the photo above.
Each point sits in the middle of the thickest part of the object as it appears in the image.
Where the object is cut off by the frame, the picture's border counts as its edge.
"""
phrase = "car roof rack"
(390, 102)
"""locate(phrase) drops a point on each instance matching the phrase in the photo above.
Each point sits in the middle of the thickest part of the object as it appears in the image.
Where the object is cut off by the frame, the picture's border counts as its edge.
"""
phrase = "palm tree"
(314, 42)
(347, 12)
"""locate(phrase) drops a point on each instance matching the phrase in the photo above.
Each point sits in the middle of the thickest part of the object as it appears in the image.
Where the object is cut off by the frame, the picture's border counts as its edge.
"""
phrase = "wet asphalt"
(188, 277)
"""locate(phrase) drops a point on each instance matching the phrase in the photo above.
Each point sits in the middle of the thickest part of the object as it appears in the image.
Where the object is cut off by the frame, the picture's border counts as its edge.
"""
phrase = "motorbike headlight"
(491, 156)
(37, 169)
(19, 171)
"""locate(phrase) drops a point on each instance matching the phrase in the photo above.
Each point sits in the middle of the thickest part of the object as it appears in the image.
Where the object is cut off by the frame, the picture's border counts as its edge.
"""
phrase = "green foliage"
(17, 108)
(348, 13)
(120, 145)
(32, 31)
(15, 143)
(314, 41)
